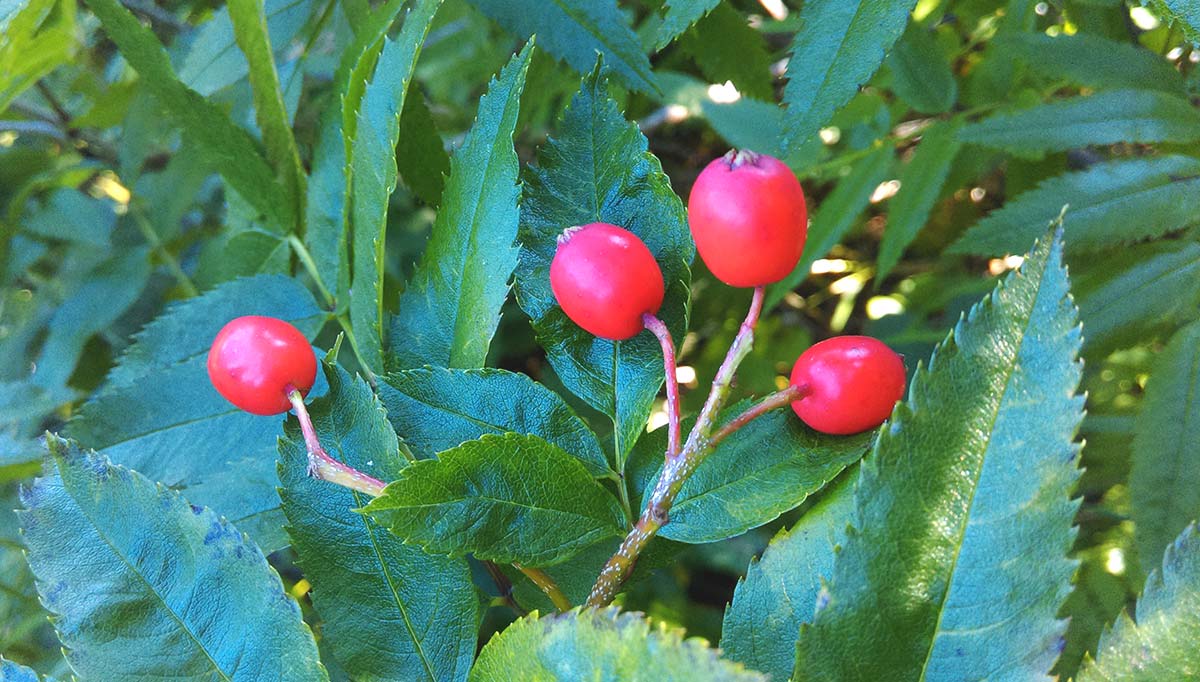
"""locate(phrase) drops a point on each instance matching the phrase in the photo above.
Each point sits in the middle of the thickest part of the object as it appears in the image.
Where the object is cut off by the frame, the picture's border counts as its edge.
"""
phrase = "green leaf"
(329, 187)
(1093, 61)
(1108, 117)
(921, 183)
(1161, 644)
(451, 307)
(11, 672)
(770, 466)
(726, 48)
(421, 155)
(1182, 12)
(1131, 292)
(1109, 204)
(780, 591)
(250, 30)
(160, 414)
(1164, 481)
(36, 38)
(507, 498)
(373, 168)
(679, 17)
(222, 145)
(1092, 607)
(838, 48)
(212, 60)
(575, 31)
(167, 589)
(600, 644)
(437, 409)
(921, 73)
(968, 482)
(389, 610)
(836, 214)
(598, 169)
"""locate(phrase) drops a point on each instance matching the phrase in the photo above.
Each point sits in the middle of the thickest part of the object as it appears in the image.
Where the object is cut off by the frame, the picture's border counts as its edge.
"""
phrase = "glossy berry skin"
(853, 384)
(605, 279)
(254, 359)
(748, 219)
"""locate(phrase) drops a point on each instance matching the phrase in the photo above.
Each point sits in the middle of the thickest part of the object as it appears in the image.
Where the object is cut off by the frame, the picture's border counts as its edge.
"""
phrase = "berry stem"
(320, 464)
(679, 467)
(774, 401)
(547, 585)
(660, 330)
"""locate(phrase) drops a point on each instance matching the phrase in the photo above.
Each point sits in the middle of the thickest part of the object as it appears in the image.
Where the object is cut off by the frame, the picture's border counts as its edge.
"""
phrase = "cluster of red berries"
(749, 221)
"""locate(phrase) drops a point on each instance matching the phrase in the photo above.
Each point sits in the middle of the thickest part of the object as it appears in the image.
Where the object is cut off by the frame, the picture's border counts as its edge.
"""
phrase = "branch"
(659, 329)
(547, 585)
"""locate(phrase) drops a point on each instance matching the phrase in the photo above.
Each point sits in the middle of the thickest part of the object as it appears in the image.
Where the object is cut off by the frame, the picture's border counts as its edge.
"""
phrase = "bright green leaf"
(1109, 204)
(503, 498)
(921, 183)
(222, 145)
(1161, 644)
(600, 645)
(389, 610)
(1131, 292)
(838, 48)
(451, 307)
(373, 163)
(1108, 117)
(36, 38)
(575, 31)
(726, 48)
(597, 169)
(167, 589)
(969, 480)
(780, 590)
(1165, 479)
(421, 155)
(1184, 12)
(437, 409)
(1093, 61)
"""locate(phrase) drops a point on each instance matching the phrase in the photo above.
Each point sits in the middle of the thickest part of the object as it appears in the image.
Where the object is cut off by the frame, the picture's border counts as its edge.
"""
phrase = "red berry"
(254, 359)
(748, 219)
(853, 384)
(605, 279)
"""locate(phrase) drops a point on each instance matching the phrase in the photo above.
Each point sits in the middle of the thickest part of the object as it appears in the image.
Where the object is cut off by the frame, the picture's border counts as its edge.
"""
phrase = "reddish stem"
(660, 330)
(774, 401)
(320, 464)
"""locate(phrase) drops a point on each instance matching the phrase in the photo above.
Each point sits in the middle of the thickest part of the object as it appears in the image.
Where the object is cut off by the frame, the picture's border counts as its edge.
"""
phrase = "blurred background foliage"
(985, 119)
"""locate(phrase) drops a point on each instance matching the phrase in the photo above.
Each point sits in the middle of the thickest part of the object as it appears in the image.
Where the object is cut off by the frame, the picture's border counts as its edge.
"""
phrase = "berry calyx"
(255, 361)
(748, 218)
(605, 280)
(850, 384)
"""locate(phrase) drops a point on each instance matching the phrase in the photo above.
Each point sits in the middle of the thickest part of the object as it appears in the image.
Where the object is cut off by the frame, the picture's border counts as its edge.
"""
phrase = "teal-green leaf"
(921, 73)
(330, 184)
(145, 586)
(421, 157)
(507, 498)
(1109, 204)
(1093, 61)
(679, 17)
(957, 562)
(602, 645)
(159, 413)
(838, 48)
(1183, 13)
(1161, 643)
(224, 146)
(250, 30)
(437, 409)
(772, 465)
(451, 307)
(727, 48)
(1107, 117)
(373, 168)
(1132, 292)
(212, 61)
(12, 672)
(835, 216)
(921, 183)
(575, 31)
(598, 169)
(389, 610)
(1164, 481)
(780, 590)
